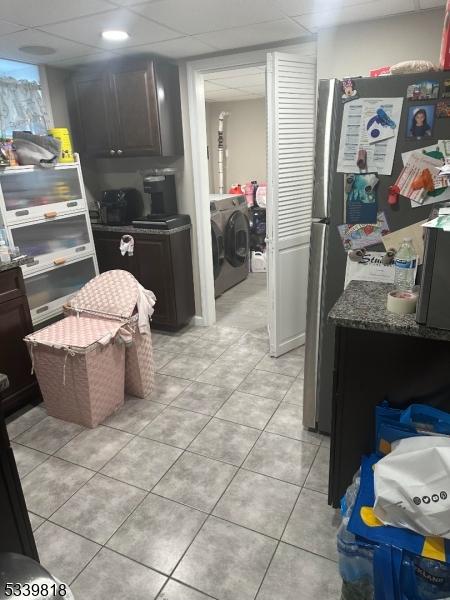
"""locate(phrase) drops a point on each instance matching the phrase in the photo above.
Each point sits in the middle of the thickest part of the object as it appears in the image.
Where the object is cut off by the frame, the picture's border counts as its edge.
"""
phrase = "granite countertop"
(4, 382)
(15, 263)
(363, 306)
(130, 230)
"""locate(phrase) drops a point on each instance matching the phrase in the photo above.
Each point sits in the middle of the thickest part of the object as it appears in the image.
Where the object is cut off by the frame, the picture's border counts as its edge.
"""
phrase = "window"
(21, 102)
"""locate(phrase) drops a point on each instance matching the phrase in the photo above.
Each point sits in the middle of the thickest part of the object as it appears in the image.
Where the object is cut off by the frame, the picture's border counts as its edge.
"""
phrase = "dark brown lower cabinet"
(15, 324)
(15, 528)
(161, 263)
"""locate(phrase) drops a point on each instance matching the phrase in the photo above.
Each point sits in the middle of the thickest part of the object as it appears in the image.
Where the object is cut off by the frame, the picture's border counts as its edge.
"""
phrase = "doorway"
(291, 84)
(236, 132)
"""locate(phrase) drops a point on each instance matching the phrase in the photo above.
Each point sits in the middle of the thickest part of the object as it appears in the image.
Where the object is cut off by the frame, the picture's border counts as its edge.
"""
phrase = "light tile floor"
(211, 488)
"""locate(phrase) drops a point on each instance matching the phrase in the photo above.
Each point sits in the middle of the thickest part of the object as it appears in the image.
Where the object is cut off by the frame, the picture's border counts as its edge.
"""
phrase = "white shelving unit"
(44, 212)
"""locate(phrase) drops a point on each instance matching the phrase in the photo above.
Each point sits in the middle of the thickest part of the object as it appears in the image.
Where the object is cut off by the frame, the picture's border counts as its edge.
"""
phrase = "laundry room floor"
(209, 488)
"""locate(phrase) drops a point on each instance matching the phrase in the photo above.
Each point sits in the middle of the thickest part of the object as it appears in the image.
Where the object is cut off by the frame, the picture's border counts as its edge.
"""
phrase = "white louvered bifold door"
(291, 109)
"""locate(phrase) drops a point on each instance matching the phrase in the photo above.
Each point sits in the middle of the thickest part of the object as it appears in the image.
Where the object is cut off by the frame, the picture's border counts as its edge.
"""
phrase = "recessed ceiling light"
(115, 35)
(37, 50)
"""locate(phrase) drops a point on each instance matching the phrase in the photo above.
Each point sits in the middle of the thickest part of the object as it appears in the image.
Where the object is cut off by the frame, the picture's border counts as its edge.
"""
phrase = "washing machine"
(230, 236)
(218, 247)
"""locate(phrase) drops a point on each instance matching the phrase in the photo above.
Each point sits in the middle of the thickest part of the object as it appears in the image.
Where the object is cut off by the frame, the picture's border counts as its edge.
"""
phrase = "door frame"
(195, 71)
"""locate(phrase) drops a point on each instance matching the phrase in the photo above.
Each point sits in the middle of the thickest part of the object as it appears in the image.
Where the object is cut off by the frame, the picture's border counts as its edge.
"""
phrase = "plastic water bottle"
(4, 251)
(405, 266)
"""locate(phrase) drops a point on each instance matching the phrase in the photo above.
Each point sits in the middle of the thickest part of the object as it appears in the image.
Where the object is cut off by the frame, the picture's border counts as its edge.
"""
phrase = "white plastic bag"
(412, 485)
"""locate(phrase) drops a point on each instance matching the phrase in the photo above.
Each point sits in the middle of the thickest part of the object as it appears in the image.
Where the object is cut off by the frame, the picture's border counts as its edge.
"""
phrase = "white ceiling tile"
(234, 98)
(262, 33)
(239, 72)
(211, 86)
(352, 14)
(6, 27)
(130, 2)
(41, 12)
(88, 30)
(255, 89)
(242, 81)
(300, 7)
(178, 48)
(201, 16)
(226, 93)
(431, 3)
(10, 44)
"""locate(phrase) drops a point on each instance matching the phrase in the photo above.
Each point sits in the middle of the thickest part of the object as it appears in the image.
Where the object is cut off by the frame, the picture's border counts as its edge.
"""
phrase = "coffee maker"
(163, 195)
(160, 185)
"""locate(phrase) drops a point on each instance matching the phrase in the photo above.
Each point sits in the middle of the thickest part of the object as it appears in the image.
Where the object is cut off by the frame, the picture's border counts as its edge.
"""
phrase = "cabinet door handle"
(112, 152)
(59, 261)
(119, 152)
(50, 215)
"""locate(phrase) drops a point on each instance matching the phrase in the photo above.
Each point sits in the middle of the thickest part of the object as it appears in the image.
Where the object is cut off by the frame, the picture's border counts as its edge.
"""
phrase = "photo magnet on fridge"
(361, 204)
(423, 90)
(420, 121)
(348, 90)
(443, 109)
(446, 89)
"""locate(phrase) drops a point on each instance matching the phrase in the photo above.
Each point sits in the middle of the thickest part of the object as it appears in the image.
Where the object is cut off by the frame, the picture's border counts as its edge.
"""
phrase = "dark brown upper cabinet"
(126, 108)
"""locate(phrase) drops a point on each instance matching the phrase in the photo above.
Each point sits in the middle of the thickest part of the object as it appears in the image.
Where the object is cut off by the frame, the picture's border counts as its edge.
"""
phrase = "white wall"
(356, 48)
(244, 141)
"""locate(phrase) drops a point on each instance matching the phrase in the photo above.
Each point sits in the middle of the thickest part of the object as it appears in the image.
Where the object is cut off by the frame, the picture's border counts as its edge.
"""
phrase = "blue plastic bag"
(392, 424)
(406, 565)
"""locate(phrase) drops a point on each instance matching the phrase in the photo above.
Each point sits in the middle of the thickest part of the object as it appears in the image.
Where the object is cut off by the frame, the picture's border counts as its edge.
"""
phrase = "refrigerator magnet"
(443, 109)
(446, 89)
(360, 198)
(361, 160)
(420, 121)
(349, 92)
(423, 90)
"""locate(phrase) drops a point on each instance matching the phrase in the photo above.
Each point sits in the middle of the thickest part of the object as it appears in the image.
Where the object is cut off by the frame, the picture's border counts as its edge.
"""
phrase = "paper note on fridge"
(369, 268)
(415, 232)
(370, 124)
(363, 235)
(440, 151)
(412, 172)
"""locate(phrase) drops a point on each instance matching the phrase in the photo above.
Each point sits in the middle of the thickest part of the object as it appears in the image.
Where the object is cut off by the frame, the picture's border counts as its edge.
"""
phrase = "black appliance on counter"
(120, 207)
(433, 307)
(160, 185)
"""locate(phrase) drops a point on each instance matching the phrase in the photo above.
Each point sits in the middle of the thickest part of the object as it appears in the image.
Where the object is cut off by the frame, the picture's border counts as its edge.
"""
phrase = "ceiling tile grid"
(247, 83)
(174, 28)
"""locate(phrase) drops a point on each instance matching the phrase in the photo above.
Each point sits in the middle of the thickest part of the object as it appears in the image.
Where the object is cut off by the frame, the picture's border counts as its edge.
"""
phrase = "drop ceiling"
(236, 84)
(174, 28)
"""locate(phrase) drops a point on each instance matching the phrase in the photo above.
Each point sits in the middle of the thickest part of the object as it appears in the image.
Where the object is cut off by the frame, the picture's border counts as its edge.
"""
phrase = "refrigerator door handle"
(325, 162)
(313, 319)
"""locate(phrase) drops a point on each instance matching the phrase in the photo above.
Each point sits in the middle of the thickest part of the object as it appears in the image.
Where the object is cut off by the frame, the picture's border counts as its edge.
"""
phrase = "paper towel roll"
(402, 303)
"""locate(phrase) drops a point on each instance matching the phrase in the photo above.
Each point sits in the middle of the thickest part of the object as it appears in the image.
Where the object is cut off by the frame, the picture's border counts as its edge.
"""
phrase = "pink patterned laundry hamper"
(79, 364)
(116, 295)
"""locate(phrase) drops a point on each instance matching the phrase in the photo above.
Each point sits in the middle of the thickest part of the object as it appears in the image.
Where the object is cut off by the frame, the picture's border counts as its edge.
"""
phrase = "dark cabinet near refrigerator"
(15, 324)
(126, 108)
(162, 262)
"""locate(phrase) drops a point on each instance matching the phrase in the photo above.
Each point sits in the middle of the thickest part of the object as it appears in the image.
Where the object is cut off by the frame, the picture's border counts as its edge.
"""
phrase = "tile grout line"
(284, 529)
(186, 450)
(217, 502)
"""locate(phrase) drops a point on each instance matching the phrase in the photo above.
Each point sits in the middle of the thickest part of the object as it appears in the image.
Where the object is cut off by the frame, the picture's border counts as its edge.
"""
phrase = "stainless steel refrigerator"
(327, 256)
